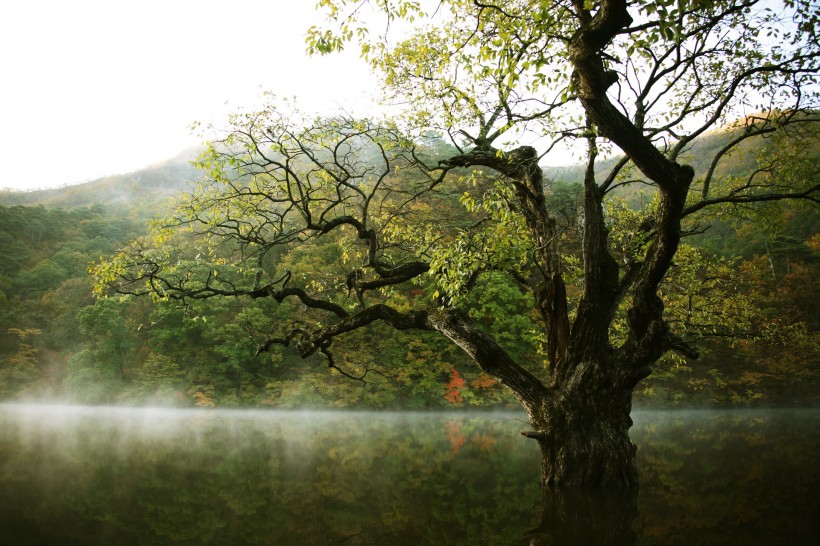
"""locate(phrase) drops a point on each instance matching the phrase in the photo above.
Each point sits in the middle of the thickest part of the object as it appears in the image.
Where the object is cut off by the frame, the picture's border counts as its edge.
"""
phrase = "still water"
(120, 476)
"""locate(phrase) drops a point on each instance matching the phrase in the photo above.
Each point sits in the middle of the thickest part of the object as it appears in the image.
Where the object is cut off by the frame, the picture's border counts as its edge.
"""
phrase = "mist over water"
(115, 475)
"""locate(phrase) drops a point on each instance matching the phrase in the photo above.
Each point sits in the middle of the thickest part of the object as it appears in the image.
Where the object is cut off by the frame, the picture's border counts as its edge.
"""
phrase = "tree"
(508, 84)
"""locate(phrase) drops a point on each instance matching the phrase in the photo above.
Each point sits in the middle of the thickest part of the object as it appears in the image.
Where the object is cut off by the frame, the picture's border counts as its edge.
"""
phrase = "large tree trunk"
(582, 429)
(581, 424)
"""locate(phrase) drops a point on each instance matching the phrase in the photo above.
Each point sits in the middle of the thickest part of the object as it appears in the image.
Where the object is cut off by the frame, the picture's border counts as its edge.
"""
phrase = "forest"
(744, 284)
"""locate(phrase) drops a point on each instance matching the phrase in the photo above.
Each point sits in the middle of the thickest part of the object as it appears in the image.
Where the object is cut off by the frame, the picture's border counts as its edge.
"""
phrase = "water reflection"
(728, 477)
(145, 477)
(128, 476)
(581, 517)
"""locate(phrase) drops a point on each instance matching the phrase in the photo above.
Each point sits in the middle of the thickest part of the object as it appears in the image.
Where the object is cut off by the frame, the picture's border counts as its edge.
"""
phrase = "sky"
(90, 88)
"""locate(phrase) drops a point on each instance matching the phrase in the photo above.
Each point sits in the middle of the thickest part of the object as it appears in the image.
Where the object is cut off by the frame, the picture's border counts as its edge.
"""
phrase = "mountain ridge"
(143, 188)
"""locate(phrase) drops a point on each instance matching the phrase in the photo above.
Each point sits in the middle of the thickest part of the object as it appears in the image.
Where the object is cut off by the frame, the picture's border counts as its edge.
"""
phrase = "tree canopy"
(376, 205)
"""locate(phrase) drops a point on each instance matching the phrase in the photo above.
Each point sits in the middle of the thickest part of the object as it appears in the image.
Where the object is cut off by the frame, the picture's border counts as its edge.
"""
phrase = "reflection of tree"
(580, 517)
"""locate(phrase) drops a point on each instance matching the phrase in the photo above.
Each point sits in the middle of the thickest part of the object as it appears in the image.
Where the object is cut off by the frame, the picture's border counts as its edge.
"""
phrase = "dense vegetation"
(749, 281)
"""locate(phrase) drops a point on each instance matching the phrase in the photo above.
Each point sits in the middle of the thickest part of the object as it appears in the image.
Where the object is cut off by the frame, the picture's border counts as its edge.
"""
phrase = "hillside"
(140, 192)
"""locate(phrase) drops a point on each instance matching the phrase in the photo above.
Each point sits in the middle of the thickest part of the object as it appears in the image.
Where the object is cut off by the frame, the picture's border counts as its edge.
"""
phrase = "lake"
(143, 476)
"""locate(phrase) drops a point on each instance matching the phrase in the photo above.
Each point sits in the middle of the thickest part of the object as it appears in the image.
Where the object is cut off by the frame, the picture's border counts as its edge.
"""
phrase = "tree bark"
(493, 360)
(583, 429)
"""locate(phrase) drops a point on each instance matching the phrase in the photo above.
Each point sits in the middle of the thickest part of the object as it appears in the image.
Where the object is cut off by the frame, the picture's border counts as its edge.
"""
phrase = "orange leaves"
(454, 386)
(203, 400)
(483, 381)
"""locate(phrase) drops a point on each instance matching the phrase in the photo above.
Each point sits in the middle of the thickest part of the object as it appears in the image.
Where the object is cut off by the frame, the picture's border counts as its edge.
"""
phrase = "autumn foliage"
(454, 386)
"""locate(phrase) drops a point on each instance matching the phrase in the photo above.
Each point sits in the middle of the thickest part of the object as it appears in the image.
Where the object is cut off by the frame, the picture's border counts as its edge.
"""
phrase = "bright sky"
(96, 87)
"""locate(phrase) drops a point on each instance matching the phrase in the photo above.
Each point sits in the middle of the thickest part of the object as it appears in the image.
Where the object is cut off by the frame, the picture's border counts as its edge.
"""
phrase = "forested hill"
(752, 274)
(141, 191)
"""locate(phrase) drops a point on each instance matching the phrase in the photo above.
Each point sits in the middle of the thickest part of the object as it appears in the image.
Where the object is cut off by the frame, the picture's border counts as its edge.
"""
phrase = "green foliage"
(92, 378)
(158, 380)
(507, 313)
(497, 241)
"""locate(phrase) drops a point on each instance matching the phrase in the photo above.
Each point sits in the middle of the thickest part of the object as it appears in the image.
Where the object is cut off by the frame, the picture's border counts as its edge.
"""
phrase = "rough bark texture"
(583, 429)
(490, 357)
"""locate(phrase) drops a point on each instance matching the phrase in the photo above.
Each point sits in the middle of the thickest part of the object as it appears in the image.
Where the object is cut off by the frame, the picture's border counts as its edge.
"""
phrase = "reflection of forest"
(104, 476)
(729, 477)
(269, 478)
